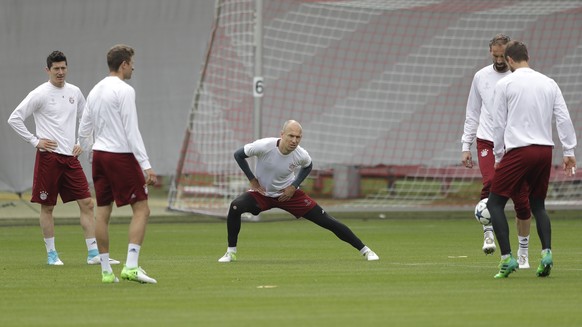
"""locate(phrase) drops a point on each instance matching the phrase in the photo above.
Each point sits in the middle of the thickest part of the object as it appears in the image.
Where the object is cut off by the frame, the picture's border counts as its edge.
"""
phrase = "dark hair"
(117, 55)
(55, 56)
(499, 39)
(517, 51)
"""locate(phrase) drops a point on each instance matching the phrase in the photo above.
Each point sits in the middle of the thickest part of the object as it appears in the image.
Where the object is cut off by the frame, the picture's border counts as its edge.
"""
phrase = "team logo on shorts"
(484, 152)
(71, 100)
(145, 189)
(43, 195)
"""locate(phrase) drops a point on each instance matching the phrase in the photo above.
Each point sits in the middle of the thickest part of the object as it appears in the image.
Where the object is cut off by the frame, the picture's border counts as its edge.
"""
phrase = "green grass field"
(292, 273)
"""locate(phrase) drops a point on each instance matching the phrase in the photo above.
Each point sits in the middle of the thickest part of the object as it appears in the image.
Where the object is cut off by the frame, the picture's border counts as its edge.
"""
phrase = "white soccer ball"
(482, 213)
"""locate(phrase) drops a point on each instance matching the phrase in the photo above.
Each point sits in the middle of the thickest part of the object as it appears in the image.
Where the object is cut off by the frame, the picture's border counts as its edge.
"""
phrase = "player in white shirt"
(478, 127)
(277, 186)
(56, 107)
(119, 161)
(525, 103)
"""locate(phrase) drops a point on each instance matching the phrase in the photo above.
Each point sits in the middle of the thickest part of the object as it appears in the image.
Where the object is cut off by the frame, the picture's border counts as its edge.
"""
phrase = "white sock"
(105, 265)
(523, 243)
(132, 255)
(364, 250)
(231, 249)
(488, 229)
(91, 243)
(49, 243)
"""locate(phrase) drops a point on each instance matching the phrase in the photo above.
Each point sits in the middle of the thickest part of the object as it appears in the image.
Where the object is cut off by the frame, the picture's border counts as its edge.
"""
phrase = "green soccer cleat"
(136, 275)
(108, 278)
(546, 264)
(506, 267)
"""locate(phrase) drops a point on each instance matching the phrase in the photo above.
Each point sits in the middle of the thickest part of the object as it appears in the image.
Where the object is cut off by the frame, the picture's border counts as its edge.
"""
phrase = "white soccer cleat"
(489, 245)
(371, 256)
(53, 259)
(96, 260)
(522, 259)
(137, 275)
(228, 257)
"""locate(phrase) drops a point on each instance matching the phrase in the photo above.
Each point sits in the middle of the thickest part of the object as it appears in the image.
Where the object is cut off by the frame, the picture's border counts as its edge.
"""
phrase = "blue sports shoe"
(53, 259)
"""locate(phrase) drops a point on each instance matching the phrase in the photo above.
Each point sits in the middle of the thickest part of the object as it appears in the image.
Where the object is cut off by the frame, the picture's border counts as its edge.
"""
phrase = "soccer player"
(119, 161)
(525, 103)
(277, 186)
(478, 126)
(56, 107)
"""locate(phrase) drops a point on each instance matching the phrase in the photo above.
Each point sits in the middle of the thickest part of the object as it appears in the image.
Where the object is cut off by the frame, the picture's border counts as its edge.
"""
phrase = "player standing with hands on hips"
(57, 106)
(478, 126)
(277, 186)
(525, 103)
(119, 161)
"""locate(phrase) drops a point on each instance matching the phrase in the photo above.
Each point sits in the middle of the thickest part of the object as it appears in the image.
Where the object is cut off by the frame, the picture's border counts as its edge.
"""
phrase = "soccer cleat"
(136, 275)
(53, 259)
(371, 256)
(546, 264)
(228, 257)
(522, 259)
(506, 267)
(108, 277)
(95, 260)
(489, 245)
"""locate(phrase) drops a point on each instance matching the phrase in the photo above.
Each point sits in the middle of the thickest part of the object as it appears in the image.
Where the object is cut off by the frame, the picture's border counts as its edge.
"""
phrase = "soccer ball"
(482, 213)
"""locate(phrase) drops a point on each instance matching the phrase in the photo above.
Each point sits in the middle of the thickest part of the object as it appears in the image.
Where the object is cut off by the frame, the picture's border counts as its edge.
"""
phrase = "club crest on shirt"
(292, 166)
(484, 152)
(71, 100)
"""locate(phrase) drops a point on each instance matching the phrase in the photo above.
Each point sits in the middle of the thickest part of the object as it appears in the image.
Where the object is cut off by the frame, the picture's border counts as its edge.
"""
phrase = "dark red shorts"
(486, 161)
(118, 177)
(298, 205)
(531, 165)
(56, 174)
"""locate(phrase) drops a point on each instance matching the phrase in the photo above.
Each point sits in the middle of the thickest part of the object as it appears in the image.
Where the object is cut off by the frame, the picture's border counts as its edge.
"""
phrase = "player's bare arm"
(77, 150)
(570, 166)
(287, 193)
(467, 159)
(151, 177)
(47, 145)
(256, 186)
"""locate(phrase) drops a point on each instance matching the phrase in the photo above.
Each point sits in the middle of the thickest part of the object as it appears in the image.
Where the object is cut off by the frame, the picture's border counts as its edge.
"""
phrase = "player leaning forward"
(277, 186)
(119, 161)
(524, 105)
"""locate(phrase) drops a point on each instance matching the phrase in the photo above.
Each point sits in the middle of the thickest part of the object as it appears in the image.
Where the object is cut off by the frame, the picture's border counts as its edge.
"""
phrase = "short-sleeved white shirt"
(274, 170)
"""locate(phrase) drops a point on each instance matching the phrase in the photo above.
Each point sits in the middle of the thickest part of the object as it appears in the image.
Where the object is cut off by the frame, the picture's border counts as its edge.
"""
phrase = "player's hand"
(46, 145)
(287, 193)
(467, 159)
(570, 166)
(255, 186)
(77, 150)
(151, 177)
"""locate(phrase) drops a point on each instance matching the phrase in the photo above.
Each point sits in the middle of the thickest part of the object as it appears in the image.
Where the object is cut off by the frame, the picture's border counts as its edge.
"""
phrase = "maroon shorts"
(298, 205)
(118, 177)
(529, 165)
(56, 174)
(486, 161)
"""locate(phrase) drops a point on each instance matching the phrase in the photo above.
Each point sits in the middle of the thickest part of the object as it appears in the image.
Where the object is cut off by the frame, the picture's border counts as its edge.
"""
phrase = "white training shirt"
(111, 118)
(274, 170)
(523, 107)
(479, 105)
(55, 110)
